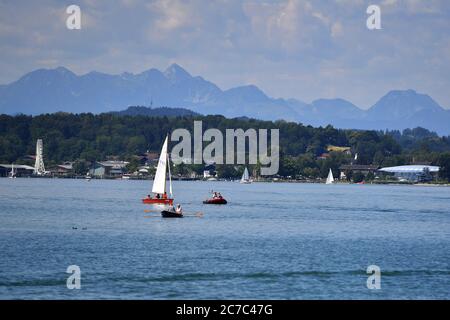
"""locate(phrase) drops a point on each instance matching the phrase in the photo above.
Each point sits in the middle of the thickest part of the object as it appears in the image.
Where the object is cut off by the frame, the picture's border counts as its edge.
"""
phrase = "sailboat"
(245, 177)
(330, 178)
(159, 183)
(88, 176)
(12, 174)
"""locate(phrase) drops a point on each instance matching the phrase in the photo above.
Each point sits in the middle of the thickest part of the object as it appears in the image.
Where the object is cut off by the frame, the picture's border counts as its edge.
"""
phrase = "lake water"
(272, 241)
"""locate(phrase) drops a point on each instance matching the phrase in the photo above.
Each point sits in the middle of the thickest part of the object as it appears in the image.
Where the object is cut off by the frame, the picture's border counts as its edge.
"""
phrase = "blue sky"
(292, 49)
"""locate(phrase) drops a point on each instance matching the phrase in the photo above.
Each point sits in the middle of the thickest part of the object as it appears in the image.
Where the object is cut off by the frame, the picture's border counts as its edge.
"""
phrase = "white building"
(412, 173)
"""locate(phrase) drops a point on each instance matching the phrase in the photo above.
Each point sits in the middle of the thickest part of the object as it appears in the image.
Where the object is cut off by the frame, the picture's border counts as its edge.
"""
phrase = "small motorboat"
(215, 201)
(171, 214)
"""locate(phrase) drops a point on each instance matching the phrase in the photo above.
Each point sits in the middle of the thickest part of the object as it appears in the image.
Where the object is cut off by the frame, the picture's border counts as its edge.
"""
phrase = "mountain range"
(59, 89)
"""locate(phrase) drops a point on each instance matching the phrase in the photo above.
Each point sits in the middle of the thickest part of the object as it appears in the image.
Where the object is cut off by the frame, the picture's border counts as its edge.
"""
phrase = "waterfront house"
(110, 168)
(20, 169)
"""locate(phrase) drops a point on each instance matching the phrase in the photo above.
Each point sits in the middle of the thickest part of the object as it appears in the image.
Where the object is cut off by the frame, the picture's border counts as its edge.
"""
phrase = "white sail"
(330, 178)
(245, 176)
(12, 174)
(159, 184)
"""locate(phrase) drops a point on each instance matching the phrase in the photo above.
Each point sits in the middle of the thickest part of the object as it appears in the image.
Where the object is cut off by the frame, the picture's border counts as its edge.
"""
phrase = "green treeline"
(88, 137)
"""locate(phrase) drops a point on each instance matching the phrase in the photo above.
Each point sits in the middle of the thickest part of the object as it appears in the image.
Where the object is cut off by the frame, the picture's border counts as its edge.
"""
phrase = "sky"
(292, 49)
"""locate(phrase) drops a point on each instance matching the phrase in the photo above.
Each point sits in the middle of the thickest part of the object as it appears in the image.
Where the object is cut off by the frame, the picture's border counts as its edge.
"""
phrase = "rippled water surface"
(272, 241)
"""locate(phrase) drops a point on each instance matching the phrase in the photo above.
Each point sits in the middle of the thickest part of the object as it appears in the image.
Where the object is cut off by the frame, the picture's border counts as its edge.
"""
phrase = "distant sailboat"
(330, 178)
(245, 177)
(88, 176)
(159, 183)
(12, 174)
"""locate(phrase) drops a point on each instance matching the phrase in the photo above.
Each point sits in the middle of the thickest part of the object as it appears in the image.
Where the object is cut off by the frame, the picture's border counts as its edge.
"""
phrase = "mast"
(170, 176)
(165, 177)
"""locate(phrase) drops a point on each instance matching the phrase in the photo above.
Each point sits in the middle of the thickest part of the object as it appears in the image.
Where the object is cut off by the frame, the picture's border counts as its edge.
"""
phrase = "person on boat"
(158, 196)
(165, 195)
(178, 209)
(149, 196)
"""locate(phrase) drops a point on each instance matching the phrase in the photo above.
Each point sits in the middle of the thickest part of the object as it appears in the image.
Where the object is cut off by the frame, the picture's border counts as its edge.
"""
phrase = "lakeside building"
(412, 173)
(345, 150)
(148, 158)
(108, 168)
(209, 171)
(63, 170)
(337, 149)
(348, 169)
(323, 156)
(20, 169)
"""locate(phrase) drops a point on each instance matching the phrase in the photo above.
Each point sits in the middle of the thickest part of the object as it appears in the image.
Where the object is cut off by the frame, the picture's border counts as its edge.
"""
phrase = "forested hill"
(155, 112)
(68, 137)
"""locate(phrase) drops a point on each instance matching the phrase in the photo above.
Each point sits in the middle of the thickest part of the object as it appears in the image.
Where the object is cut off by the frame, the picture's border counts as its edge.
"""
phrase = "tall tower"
(39, 167)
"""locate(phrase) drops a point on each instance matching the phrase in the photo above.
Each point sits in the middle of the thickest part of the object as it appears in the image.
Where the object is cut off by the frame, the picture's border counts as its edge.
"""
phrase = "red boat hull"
(158, 201)
(215, 201)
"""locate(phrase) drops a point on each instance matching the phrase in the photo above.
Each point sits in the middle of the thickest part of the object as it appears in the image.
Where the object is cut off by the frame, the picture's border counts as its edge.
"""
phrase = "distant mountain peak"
(403, 94)
(176, 73)
(247, 92)
(96, 74)
(48, 74)
(151, 70)
(335, 105)
(339, 101)
(404, 103)
(63, 70)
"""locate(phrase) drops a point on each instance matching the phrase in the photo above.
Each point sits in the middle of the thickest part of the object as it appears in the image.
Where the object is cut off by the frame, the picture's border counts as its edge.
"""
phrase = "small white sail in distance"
(12, 174)
(159, 184)
(330, 178)
(245, 176)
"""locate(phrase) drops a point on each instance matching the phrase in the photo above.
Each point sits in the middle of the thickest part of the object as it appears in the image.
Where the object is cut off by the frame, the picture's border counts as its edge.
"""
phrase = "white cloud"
(293, 48)
(172, 14)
